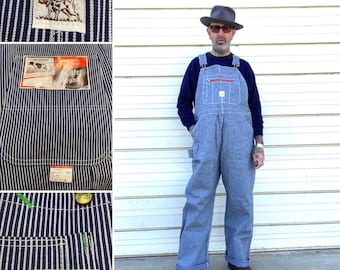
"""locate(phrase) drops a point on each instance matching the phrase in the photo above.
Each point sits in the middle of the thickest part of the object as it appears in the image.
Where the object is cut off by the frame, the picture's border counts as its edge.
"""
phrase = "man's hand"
(258, 157)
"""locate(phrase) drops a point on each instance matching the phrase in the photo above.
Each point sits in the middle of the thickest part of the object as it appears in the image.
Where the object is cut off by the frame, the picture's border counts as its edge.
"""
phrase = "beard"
(221, 49)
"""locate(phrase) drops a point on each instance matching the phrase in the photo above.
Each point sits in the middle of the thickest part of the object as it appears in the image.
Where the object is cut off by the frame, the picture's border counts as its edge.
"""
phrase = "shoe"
(233, 267)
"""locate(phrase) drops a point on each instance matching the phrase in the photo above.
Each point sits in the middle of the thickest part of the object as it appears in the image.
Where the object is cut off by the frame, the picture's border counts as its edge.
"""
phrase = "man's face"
(220, 36)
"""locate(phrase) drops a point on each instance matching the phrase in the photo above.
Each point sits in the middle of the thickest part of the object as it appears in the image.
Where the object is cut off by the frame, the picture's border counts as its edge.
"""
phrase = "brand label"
(63, 15)
(58, 72)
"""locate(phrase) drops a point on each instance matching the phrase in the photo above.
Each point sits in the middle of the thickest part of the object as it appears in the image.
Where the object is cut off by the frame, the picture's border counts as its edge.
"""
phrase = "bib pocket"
(57, 127)
(55, 137)
(220, 90)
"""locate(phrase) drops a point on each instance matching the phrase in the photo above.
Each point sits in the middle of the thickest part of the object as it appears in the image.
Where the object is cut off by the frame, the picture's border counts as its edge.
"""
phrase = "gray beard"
(221, 51)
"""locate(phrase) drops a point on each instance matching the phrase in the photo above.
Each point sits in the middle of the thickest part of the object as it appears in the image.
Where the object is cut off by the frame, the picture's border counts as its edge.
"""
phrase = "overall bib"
(223, 140)
(40, 128)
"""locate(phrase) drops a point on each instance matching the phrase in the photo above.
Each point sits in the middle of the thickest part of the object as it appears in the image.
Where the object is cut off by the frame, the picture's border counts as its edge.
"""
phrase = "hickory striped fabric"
(56, 233)
(16, 18)
(41, 128)
(4, 72)
(91, 177)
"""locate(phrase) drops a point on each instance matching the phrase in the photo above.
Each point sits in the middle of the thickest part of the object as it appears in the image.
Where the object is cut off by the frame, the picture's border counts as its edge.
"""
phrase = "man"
(227, 131)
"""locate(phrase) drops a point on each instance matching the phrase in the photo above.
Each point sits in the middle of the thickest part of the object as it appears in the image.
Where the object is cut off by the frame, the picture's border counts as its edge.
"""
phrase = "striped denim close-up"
(53, 231)
(16, 20)
(41, 128)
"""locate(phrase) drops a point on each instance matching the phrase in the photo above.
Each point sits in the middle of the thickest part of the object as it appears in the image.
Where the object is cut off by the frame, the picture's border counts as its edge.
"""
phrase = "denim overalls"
(223, 140)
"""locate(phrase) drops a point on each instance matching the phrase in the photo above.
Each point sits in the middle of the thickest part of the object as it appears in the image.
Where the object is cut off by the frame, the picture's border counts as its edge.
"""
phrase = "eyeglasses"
(216, 28)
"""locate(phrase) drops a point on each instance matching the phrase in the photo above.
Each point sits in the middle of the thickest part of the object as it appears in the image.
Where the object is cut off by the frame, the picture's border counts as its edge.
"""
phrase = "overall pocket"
(55, 136)
(57, 127)
(218, 90)
(54, 231)
(23, 253)
(65, 252)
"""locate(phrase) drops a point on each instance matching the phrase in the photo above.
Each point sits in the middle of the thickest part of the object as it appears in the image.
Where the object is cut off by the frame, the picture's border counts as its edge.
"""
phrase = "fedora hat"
(221, 14)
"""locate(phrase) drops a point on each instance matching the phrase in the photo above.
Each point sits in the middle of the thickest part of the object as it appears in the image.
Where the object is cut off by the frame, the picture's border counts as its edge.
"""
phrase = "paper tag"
(55, 72)
(221, 93)
(61, 174)
(63, 15)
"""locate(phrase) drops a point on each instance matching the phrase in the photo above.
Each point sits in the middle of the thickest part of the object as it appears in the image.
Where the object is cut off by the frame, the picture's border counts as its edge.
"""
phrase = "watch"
(260, 145)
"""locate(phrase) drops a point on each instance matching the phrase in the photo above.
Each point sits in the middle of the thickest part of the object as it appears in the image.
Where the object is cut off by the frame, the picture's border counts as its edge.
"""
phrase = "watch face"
(83, 198)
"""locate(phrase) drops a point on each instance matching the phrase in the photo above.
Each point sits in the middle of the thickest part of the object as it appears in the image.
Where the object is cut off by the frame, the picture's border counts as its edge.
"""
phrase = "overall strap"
(203, 60)
(236, 61)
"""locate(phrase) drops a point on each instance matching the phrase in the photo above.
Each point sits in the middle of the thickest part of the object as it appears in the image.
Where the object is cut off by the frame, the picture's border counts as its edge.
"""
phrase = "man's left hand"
(258, 157)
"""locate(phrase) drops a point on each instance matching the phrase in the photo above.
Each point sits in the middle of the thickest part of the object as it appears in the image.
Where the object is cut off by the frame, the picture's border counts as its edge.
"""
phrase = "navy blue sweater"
(186, 98)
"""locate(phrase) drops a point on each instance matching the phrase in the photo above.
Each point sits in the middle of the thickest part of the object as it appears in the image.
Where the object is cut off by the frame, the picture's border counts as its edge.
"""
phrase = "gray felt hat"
(221, 14)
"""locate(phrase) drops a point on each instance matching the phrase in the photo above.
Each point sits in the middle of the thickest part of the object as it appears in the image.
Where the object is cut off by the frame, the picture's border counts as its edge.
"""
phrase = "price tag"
(61, 174)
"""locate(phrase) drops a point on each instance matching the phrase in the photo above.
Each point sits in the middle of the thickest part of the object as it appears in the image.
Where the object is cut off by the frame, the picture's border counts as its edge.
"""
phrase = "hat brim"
(207, 20)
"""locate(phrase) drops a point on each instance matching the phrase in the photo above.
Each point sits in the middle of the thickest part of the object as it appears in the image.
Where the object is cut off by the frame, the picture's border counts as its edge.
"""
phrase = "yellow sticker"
(61, 174)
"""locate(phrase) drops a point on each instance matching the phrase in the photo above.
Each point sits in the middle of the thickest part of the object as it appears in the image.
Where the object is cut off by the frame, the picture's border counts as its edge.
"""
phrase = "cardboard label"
(63, 15)
(221, 93)
(59, 72)
(61, 174)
